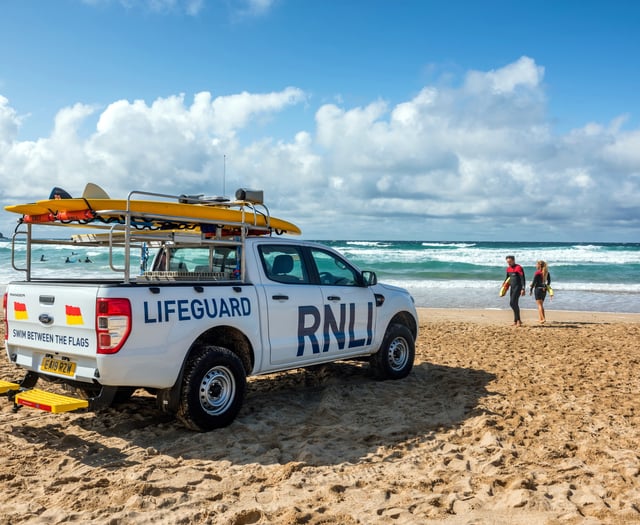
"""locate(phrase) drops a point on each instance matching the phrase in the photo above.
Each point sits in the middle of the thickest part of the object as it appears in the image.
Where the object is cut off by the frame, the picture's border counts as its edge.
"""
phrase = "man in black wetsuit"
(517, 283)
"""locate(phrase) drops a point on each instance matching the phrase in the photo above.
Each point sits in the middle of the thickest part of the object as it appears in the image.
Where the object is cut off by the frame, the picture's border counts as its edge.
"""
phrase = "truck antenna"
(224, 175)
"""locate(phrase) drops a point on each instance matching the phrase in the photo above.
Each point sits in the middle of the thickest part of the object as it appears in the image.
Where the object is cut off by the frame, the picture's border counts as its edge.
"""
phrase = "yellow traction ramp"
(6, 386)
(50, 402)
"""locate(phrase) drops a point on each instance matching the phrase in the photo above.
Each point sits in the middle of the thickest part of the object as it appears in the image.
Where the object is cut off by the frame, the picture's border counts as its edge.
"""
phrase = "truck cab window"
(333, 270)
(284, 264)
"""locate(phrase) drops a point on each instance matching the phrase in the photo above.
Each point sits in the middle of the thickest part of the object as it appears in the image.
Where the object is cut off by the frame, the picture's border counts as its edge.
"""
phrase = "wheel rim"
(398, 354)
(217, 390)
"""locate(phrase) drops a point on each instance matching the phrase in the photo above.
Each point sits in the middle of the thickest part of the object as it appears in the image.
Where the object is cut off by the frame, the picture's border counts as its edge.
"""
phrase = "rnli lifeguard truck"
(199, 294)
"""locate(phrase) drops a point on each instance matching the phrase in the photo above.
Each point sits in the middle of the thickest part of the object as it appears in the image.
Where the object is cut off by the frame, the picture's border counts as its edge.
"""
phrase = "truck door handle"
(280, 297)
(47, 299)
(333, 298)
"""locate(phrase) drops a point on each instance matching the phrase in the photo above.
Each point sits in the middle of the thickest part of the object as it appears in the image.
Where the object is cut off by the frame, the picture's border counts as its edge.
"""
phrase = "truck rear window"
(197, 259)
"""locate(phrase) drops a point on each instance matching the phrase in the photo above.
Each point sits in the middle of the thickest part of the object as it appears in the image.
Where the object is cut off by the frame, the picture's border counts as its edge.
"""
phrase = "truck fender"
(228, 337)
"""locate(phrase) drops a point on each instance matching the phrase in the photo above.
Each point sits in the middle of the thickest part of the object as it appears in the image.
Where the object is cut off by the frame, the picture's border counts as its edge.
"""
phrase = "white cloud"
(252, 8)
(9, 122)
(235, 111)
(523, 73)
(469, 161)
(190, 7)
(624, 152)
(237, 8)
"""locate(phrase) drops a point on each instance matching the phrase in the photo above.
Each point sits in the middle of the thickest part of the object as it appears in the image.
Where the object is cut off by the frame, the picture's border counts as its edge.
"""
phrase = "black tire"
(394, 359)
(213, 388)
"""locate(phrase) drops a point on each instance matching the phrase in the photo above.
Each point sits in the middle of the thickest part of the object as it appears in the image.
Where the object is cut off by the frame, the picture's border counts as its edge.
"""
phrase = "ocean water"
(601, 277)
(584, 276)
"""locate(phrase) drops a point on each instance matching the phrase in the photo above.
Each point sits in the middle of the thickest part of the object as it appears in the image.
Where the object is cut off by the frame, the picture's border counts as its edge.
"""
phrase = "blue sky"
(362, 119)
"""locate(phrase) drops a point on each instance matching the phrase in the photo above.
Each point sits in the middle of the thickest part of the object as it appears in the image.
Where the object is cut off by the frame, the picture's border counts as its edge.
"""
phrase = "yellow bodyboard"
(504, 287)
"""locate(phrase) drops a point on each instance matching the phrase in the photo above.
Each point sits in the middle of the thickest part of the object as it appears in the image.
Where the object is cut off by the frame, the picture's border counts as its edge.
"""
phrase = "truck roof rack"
(149, 219)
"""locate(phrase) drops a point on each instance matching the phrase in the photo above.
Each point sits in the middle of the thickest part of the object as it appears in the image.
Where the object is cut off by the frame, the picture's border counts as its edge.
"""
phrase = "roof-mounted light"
(253, 196)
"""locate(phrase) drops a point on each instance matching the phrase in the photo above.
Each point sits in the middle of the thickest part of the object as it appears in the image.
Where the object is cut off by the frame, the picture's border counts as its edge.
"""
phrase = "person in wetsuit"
(541, 279)
(517, 285)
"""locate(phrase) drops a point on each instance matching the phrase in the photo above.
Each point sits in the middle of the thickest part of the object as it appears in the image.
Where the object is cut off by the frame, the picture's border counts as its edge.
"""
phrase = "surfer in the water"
(517, 285)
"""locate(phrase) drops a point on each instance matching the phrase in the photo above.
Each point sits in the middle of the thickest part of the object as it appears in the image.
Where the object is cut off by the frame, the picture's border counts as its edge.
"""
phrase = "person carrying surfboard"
(541, 281)
(517, 285)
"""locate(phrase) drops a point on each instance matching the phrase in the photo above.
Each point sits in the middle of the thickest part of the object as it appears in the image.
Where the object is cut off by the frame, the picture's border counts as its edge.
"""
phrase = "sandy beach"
(495, 425)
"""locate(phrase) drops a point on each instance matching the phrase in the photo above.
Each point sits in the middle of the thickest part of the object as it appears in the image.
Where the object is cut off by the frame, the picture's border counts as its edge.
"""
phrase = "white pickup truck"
(200, 316)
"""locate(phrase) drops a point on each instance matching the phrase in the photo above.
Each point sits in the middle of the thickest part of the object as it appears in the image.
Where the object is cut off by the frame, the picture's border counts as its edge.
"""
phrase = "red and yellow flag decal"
(74, 315)
(20, 310)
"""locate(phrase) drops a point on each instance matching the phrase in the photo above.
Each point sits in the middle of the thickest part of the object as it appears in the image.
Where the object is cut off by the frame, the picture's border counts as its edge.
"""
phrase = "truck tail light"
(4, 316)
(113, 324)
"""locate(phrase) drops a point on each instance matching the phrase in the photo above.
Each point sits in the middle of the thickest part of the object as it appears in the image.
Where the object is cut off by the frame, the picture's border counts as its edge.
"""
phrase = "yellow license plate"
(58, 366)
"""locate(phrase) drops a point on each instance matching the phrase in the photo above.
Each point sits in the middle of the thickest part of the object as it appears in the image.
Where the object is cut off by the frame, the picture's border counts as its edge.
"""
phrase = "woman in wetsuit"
(517, 285)
(541, 279)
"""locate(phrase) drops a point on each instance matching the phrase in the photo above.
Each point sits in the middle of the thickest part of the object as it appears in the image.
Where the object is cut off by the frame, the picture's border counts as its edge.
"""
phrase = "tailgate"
(51, 327)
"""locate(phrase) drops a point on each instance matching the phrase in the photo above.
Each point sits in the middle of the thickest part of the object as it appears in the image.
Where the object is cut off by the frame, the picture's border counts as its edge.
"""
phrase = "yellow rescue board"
(69, 209)
(27, 209)
(91, 191)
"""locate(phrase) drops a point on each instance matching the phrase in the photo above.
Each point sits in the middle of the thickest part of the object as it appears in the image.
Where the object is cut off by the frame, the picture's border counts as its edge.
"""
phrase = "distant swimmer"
(67, 260)
(87, 259)
(42, 258)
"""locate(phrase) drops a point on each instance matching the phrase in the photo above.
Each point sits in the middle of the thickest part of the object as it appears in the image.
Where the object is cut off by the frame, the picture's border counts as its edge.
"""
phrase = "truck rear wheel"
(394, 359)
(212, 390)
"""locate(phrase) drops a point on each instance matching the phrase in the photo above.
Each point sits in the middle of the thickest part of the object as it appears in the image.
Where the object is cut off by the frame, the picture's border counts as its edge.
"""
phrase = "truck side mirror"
(369, 278)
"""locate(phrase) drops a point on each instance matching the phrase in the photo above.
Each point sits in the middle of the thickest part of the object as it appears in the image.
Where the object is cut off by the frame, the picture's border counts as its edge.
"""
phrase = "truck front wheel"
(213, 389)
(394, 359)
